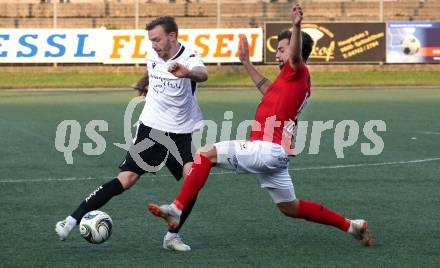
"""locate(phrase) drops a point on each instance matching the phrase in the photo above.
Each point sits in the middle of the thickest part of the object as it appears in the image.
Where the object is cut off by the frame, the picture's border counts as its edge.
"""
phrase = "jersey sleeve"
(194, 60)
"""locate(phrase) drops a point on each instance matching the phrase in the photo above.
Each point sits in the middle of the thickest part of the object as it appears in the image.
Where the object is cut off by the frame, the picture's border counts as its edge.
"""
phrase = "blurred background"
(132, 14)
(344, 31)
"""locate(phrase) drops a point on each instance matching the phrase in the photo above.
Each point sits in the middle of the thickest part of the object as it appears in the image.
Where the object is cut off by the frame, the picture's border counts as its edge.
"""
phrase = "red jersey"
(280, 106)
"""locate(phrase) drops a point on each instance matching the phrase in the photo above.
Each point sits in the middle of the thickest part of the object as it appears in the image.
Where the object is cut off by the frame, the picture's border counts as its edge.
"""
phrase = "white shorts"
(267, 160)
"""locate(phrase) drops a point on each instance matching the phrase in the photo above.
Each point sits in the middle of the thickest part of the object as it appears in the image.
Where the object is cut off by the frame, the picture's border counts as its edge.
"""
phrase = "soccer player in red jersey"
(266, 152)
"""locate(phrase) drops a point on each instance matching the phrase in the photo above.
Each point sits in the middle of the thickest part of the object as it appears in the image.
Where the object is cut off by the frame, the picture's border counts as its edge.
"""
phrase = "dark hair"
(167, 22)
(307, 42)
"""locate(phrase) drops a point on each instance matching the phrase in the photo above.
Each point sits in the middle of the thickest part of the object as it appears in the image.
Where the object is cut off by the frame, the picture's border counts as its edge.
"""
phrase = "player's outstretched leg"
(194, 182)
(315, 212)
(94, 201)
(191, 186)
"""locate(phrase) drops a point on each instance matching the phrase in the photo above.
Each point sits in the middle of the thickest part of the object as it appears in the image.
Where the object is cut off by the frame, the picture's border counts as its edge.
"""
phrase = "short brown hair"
(167, 22)
(307, 42)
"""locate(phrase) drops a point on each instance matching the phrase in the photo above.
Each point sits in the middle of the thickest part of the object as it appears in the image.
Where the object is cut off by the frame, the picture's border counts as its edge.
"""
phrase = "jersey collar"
(179, 53)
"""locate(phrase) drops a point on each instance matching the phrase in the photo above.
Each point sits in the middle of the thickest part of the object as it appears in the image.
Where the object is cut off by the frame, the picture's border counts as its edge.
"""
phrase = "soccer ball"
(96, 227)
(410, 45)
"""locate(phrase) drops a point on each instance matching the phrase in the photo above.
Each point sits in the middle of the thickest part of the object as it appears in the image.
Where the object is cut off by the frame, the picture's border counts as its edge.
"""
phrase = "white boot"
(64, 227)
(173, 241)
(359, 230)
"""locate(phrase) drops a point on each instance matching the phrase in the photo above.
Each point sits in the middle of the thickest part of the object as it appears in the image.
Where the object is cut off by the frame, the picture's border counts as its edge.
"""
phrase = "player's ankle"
(177, 207)
(350, 229)
(71, 221)
(170, 235)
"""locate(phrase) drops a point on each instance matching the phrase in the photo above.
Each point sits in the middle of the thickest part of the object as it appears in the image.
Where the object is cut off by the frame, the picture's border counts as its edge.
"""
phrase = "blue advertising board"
(413, 42)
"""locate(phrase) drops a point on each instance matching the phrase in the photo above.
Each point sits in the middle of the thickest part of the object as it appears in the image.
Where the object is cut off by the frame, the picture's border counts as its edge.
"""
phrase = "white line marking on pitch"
(431, 133)
(49, 179)
(233, 172)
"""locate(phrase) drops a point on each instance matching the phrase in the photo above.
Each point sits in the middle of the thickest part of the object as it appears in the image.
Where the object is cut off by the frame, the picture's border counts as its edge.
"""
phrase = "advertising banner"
(119, 46)
(50, 45)
(413, 42)
(334, 42)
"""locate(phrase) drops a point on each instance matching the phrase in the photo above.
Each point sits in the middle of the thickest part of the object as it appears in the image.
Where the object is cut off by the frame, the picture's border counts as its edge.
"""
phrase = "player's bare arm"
(142, 84)
(197, 74)
(296, 16)
(260, 81)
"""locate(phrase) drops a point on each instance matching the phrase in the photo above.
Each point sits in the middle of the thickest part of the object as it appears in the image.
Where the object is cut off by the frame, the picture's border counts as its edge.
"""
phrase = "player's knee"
(209, 152)
(284, 210)
(128, 179)
(288, 208)
(186, 169)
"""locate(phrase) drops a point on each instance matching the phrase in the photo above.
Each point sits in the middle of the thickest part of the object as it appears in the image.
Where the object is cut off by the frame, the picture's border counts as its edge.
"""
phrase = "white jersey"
(171, 105)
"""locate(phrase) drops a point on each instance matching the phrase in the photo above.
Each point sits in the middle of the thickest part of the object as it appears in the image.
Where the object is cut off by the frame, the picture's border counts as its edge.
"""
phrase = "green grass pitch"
(234, 223)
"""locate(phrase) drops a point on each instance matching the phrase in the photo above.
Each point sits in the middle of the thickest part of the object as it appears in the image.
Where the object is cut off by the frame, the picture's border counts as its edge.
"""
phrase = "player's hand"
(142, 93)
(296, 15)
(243, 50)
(141, 85)
(178, 70)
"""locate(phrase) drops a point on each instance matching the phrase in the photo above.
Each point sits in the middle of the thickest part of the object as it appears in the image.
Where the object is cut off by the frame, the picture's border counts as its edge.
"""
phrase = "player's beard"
(165, 51)
(167, 48)
(281, 64)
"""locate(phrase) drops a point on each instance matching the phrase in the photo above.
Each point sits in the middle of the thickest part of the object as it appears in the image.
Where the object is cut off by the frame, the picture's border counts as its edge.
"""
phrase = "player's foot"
(63, 228)
(174, 242)
(170, 213)
(359, 229)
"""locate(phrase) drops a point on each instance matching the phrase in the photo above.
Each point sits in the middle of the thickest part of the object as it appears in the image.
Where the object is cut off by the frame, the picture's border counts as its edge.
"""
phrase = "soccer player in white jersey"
(169, 117)
(266, 151)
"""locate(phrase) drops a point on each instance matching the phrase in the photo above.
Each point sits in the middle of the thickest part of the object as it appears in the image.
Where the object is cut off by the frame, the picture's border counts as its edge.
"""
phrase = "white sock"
(350, 229)
(176, 209)
(170, 236)
(71, 221)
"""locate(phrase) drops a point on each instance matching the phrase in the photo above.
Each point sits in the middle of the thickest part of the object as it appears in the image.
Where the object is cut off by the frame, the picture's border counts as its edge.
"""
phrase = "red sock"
(193, 182)
(316, 212)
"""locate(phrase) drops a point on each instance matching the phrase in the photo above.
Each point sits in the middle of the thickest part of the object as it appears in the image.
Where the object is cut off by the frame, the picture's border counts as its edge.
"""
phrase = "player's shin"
(98, 198)
(316, 212)
(193, 182)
